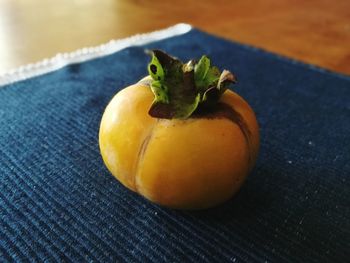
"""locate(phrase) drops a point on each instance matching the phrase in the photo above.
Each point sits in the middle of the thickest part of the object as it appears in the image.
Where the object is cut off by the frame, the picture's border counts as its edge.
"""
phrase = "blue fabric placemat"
(59, 203)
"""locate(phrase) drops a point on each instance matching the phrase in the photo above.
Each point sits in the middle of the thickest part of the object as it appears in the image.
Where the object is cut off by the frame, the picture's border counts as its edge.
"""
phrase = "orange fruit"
(185, 163)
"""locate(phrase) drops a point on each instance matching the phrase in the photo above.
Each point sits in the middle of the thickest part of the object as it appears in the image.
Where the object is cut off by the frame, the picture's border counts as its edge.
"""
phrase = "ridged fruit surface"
(192, 163)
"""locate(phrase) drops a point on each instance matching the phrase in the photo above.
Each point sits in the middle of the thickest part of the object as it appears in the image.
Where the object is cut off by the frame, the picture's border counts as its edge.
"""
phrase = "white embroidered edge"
(87, 53)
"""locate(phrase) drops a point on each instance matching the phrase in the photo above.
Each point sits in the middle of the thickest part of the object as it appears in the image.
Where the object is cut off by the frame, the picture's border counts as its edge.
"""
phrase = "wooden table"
(316, 32)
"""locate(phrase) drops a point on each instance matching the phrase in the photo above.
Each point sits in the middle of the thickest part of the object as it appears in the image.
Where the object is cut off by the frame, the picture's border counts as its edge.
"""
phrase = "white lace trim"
(87, 53)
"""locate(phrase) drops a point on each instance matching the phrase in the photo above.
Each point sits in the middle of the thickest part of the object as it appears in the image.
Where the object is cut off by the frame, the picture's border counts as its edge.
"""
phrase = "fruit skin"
(195, 163)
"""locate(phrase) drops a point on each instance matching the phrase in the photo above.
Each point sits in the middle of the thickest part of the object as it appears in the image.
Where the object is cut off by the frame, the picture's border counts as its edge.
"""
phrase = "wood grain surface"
(316, 32)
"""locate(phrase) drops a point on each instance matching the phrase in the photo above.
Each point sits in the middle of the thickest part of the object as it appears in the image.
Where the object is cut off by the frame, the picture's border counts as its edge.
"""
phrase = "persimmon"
(180, 137)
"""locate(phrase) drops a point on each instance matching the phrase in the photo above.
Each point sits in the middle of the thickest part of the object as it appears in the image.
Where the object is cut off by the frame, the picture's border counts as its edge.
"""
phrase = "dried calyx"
(182, 89)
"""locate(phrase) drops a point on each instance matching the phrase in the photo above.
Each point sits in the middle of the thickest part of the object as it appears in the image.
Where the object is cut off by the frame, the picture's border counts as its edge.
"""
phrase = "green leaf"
(182, 96)
(174, 87)
(160, 91)
(205, 75)
(185, 110)
(212, 76)
(201, 69)
(180, 88)
(179, 109)
(213, 93)
(155, 69)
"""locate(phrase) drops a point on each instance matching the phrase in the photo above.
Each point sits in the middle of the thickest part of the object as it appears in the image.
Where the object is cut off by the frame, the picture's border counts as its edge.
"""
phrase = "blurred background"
(316, 32)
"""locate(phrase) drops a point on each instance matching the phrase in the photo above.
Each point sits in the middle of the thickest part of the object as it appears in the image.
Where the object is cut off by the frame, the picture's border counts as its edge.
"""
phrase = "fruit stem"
(182, 88)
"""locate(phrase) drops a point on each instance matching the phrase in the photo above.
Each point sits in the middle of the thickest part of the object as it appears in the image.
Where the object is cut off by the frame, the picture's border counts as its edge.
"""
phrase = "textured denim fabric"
(58, 202)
